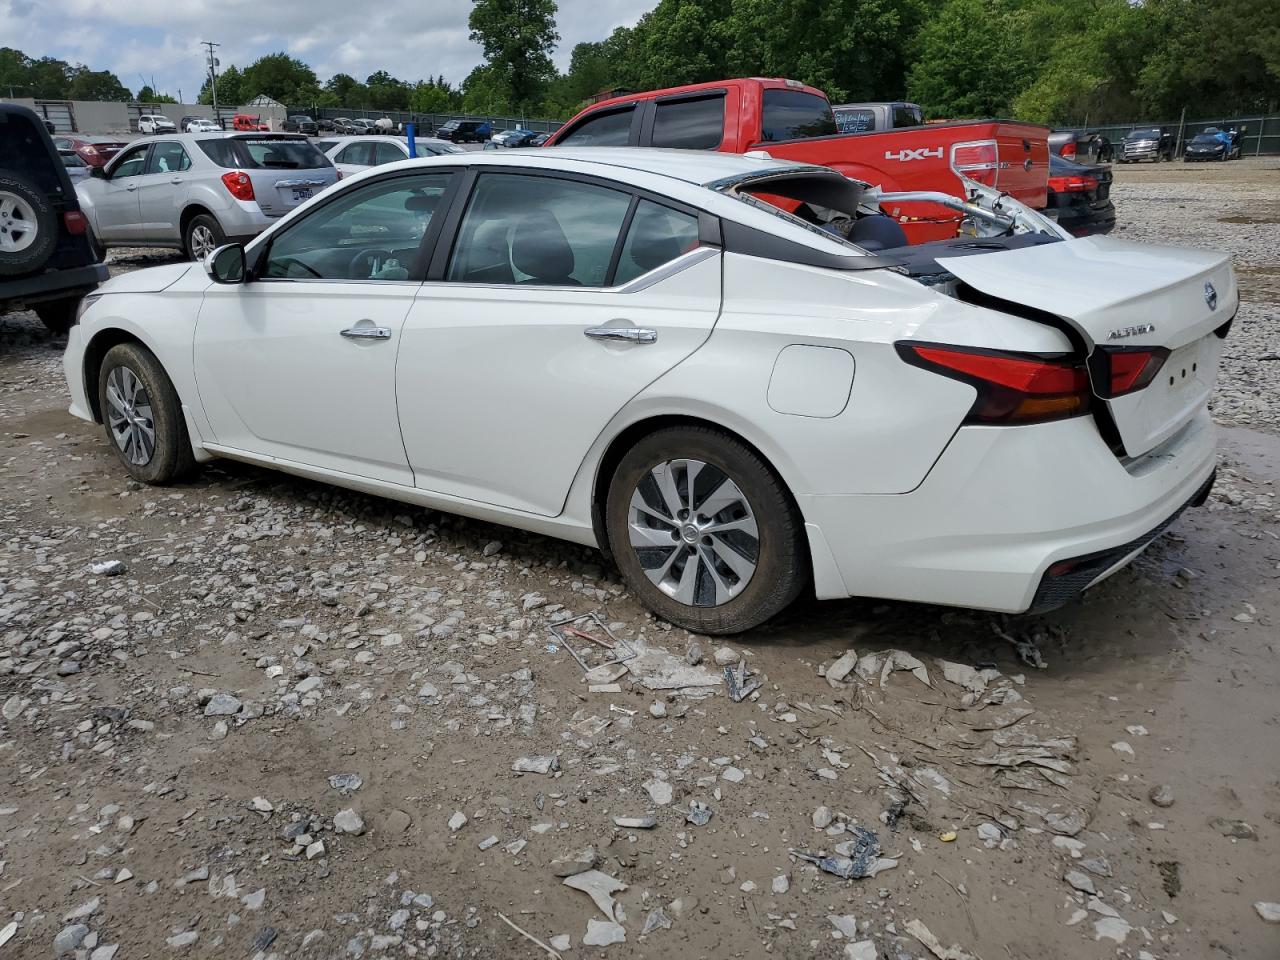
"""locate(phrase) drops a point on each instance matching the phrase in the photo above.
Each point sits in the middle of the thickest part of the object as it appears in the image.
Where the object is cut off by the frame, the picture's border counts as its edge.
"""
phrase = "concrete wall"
(103, 117)
(100, 117)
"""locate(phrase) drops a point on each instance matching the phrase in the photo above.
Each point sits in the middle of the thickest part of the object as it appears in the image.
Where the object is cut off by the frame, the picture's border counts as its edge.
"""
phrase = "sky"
(411, 39)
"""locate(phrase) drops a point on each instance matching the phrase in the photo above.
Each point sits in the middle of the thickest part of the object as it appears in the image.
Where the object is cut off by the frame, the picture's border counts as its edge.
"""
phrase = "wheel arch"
(95, 352)
(192, 210)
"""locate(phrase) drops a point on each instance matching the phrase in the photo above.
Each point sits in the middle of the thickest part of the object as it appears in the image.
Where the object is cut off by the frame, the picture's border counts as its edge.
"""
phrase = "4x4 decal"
(922, 153)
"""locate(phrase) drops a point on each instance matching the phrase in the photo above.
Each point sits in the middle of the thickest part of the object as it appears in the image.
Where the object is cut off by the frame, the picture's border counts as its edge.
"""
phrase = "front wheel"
(143, 416)
(704, 532)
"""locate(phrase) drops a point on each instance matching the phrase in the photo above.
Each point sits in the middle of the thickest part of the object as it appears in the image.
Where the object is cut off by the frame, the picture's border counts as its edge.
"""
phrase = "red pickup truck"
(793, 121)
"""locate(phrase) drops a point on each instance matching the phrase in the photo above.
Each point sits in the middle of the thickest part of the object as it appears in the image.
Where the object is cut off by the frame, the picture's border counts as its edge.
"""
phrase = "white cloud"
(408, 38)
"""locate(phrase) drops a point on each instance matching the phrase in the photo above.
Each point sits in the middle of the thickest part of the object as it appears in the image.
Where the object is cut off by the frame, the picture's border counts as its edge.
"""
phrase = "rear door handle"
(367, 333)
(623, 334)
(175, 180)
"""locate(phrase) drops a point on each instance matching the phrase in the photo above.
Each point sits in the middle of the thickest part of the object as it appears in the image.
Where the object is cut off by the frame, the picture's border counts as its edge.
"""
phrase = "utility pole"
(213, 78)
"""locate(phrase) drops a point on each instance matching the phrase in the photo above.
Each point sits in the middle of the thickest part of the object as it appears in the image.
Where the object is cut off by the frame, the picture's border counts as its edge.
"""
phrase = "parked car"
(511, 139)
(540, 140)
(156, 123)
(46, 261)
(324, 125)
(998, 449)
(193, 191)
(1150, 143)
(185, 123)
(865, 117)
(362, 126)
(244, 122)
(203, 126)
(94, 151)
(301, 124)
(77, 169)
(792, 121)
(1213, 143)
(1081, 147)
(465, 131)
(1080, 197)
(350, 155)
(342, 125)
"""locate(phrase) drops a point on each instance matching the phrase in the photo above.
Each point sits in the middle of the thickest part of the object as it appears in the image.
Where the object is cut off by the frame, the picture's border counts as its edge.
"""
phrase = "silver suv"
(195, 192)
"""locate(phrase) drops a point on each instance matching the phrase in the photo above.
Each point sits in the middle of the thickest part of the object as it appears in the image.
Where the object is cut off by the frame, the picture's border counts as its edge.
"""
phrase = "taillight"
(1121, 370)
(88, 150)
(1082, 184)
(75, 222)
(1013, 388)
(1068, 150)
(978, 160)
(239, 184)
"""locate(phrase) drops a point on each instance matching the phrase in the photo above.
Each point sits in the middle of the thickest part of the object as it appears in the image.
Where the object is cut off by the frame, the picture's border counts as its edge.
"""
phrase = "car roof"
(691, 166)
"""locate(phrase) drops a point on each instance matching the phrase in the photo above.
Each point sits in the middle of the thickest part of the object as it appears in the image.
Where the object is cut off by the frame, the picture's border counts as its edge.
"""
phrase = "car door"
(299, 363)
(561, 300)
(354, 158)
(162, 191)
(115, 199)
(389, 151)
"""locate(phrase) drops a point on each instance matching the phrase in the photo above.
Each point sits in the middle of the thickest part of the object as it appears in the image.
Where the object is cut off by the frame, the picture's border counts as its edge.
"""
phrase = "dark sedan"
(1212, 144)
(1080, 197)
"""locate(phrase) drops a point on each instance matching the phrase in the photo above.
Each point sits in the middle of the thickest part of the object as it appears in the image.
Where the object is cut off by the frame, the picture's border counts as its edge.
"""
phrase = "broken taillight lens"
(1013, 388)
(978, 160)
(239, 184)
(1121, 370)
(1068, 151)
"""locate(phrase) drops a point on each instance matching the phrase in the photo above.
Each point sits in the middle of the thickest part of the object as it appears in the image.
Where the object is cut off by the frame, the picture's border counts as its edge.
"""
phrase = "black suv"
(465, 131)
(46, 260)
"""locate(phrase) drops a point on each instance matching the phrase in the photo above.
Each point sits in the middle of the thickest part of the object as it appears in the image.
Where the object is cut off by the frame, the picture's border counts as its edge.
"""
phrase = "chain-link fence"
(1260, 135)
(427, 123)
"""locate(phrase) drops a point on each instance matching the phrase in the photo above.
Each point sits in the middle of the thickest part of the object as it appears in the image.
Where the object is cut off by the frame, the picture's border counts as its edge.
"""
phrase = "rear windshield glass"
(275, 154)
(792, 114)
(907, 117)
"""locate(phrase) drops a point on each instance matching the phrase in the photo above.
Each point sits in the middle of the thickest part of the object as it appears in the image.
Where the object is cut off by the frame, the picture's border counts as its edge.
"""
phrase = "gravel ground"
(252, 716)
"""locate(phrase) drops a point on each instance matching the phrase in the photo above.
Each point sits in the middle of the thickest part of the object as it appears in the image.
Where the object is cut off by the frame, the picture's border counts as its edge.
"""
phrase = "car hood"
(150, 280)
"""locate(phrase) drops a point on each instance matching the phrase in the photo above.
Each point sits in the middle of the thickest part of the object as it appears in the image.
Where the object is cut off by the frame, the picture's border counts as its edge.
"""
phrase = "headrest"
(540, 249)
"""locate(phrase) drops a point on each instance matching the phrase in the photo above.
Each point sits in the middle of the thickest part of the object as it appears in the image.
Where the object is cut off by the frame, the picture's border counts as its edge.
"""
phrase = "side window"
(359, 153)
(794, 114)
(538, 230)
(689, 124)
(131, 165)
(611, 129)
(168, 158)
(658, 235)
(373, 233)
(387, 152)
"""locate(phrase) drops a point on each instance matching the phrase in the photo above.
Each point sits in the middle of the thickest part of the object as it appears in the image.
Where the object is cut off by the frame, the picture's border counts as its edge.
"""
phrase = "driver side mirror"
(226, 264)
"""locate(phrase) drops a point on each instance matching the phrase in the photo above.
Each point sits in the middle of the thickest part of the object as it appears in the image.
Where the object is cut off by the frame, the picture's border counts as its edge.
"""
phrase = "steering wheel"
(288, 263)
(360, 268)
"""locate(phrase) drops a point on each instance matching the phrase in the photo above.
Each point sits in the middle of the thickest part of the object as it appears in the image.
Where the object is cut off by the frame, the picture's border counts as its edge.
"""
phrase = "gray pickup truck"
(865, 117)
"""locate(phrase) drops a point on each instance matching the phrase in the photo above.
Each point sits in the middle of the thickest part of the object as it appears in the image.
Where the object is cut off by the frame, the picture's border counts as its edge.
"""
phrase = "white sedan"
(352, 155)
(629, 348)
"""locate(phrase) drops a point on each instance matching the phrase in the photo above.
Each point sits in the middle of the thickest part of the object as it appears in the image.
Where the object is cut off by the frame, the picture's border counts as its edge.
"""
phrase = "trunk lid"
(1117, 294)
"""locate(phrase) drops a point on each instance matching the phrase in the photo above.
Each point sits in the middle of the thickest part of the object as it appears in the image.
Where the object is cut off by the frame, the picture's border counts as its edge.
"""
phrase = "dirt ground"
(168, 733)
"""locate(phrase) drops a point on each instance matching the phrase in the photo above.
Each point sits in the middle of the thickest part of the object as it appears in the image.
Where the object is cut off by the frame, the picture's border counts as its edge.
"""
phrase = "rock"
(105, 952)
(396, 821)
(847, 924)
(1161, 795)
(315, 849)
(585, 859)
(263, 939)
(1236, 829)
(601, 934)
(682, 907)
(647, 822)
(1098, 866)
(108, 568)
(658, 709)
(1080, 881)
(822, 818)
(600, 887)
(733, 774)
(699, 813)
(180, 940)
(255, 900)
(487, 842)
(261, 805)
(561, 942)
(659, 791)
(348, 821)
(841, 668)
(307, 684)
(86, 909)
(1123, 748)
(656, 920)
(222, 705)
(347, 782)
(542, 765)
(693, 655)
(781, 884)
(1270, 912)
(69, 939)
(725, 656)
(989, 834)
(862, 950)
(1111, 928)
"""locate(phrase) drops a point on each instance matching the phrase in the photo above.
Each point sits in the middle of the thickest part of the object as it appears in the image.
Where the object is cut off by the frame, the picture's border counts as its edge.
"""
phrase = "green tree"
(434, 95)
(147, 95)
(517, 37)
(281, 77)
(344, 90)
(230, 92)
(970, 61)
(385, 92)
(488, 91)
(89, 84)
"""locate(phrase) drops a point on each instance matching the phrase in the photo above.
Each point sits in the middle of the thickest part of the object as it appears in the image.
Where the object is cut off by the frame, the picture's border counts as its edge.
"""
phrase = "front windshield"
(1144, 135)
(1205, 138)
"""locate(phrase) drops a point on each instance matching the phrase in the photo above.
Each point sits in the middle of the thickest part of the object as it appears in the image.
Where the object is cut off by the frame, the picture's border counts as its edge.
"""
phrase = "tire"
(202, 230)
(712, 597)
(58, 315)
(28, 227)
(167, 456)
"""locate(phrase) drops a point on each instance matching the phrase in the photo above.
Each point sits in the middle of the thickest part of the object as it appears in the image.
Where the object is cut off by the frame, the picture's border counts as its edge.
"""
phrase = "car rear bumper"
(54, 284)
(1002, 506)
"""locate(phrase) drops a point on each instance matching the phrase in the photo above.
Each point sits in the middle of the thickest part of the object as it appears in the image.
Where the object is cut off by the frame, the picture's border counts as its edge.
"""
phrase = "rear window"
(855, 121)
(907, 117)
(793, 114)
(269, 153)
(689, 124)
(611, 129)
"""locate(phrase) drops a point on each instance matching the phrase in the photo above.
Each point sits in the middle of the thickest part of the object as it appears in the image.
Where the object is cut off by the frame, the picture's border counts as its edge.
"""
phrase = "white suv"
(156, 123)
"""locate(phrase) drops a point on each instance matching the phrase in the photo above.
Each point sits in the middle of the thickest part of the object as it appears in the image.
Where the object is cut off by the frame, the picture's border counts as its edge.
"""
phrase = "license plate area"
(300, 194)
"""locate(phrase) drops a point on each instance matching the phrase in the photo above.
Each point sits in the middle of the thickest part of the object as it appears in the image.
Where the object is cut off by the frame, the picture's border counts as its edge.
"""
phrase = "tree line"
(1052, 61)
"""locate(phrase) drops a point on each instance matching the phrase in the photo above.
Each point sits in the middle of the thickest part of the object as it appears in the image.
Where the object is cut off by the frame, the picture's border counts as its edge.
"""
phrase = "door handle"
(367, 333)
(623, 334)
(176, 180)
(131, 186)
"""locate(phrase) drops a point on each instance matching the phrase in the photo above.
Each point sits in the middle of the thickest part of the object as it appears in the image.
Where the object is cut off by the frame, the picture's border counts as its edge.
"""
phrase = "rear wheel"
(143, 416)
(202, 236)
(28, 227)
(704, 532)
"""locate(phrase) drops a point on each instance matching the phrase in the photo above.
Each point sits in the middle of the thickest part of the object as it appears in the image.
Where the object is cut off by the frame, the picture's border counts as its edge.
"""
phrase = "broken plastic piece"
(739, 682)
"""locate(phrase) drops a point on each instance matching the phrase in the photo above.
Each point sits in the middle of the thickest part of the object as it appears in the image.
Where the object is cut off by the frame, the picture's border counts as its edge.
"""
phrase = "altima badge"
(1131, 331)
(1211, 296)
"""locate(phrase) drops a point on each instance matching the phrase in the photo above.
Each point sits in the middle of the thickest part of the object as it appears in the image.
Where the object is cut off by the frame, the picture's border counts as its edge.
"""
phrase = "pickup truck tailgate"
(1012, 157)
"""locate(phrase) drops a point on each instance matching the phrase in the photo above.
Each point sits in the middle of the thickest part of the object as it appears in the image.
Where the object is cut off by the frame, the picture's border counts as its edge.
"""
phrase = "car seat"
(540, 249)
(878, 232)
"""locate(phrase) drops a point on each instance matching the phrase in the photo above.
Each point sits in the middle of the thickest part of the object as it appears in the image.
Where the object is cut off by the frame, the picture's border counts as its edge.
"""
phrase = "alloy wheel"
(694, 532)
(17, 223)
(129, 416)
(203, 242)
